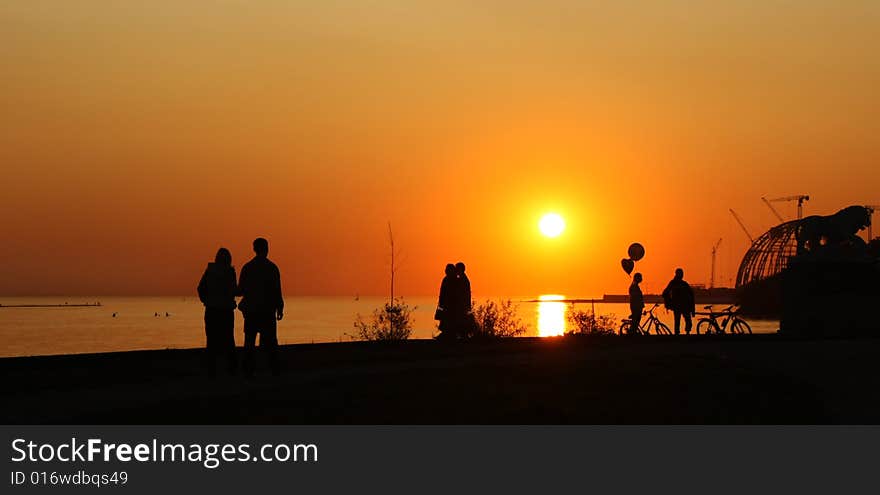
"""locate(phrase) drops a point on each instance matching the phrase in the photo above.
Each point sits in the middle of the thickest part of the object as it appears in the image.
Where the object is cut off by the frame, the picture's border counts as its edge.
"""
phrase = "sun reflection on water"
(551, 315)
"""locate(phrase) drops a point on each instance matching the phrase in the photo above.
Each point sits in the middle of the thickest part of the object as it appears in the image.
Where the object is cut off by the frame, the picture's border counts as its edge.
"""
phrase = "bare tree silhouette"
(394, 321)
(395, 255)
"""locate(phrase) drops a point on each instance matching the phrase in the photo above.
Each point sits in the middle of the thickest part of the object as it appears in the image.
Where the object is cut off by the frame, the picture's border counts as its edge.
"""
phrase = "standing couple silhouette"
(262, 305)
(454, 305)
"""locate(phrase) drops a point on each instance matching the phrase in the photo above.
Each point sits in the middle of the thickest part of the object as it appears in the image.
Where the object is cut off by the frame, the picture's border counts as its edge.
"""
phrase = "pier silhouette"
(65, 305)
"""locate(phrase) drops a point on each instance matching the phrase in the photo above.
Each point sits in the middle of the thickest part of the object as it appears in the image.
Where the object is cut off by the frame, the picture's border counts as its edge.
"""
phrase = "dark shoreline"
(763, 379)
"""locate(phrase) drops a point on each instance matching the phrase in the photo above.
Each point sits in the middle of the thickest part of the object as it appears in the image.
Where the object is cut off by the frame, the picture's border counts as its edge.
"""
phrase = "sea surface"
(134, 323)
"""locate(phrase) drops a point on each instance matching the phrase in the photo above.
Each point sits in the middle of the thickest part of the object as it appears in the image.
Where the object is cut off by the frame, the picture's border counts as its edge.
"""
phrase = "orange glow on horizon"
(139, 139)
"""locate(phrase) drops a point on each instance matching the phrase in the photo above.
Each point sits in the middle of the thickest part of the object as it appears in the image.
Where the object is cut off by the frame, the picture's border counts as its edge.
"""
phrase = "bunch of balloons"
(636, 252)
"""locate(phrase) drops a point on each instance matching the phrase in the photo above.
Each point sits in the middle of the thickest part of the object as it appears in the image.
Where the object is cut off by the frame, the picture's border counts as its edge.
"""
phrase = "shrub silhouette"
(496, 320)
(587, 323)
(392, 322)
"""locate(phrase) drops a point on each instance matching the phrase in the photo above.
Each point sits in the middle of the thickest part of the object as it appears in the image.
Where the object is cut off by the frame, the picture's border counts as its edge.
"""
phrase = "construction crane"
(712, 275)
(769, 205)
(800, 198)
(871, 209)
(742, 225)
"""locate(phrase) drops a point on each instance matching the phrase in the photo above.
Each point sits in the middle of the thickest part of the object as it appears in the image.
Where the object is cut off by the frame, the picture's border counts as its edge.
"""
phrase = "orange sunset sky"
(138, 137)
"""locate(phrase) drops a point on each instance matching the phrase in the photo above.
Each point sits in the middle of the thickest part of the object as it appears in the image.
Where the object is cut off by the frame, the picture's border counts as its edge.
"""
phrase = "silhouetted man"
(262, 305)
(636, 303)
(679, 297)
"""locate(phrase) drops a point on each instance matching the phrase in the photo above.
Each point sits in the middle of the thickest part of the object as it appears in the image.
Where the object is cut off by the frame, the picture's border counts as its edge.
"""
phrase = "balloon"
(627, 265)
(636, 251)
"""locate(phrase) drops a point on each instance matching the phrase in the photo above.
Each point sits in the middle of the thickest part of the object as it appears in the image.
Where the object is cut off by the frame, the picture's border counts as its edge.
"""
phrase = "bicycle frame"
(652, 320)
(646, 325)
(727, 317)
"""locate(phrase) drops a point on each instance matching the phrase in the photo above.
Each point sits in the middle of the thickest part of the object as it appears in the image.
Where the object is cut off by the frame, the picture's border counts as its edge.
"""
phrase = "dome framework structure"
(769, 254)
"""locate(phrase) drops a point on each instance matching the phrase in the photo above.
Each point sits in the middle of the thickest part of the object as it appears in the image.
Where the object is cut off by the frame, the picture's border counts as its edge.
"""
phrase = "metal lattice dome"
(769, 254)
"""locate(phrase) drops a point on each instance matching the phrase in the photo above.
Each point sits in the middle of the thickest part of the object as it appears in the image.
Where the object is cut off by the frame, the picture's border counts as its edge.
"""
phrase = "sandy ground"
(728, 379)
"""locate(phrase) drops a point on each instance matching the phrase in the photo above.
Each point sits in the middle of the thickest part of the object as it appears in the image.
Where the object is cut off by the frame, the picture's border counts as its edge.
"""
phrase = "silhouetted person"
(679, 297)
(262, 305)
(464, 293)
(636, 303)
(449, 305)
(465, 287)
(217, 292)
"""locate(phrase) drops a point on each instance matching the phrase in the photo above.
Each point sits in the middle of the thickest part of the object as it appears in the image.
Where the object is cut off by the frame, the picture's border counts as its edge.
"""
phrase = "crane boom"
(800, 198)
(796, 197)
(742, 225)
(770, 205)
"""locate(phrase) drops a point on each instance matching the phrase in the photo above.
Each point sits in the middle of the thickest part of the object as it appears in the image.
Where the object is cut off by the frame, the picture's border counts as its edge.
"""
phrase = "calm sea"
(176, 322)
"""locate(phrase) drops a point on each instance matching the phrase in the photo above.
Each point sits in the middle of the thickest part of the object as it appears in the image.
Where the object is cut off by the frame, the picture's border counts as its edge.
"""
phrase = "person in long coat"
(217, 290)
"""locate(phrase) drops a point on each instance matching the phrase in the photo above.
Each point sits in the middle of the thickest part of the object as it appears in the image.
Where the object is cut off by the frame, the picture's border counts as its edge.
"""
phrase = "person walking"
(679, 297)
(262, 306)
(217, 290)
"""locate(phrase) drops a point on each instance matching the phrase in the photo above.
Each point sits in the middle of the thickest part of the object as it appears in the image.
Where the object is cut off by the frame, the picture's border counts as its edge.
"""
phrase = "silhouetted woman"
(448, 305)
(217, 291)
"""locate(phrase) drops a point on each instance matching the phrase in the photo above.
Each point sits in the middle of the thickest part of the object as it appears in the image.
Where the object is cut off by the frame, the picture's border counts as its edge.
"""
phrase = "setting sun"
(551, 225)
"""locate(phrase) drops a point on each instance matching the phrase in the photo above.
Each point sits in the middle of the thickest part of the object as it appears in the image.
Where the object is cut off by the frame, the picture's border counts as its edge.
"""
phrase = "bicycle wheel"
(707, 326)
(741, 327)
(624, 327)
(662, 328)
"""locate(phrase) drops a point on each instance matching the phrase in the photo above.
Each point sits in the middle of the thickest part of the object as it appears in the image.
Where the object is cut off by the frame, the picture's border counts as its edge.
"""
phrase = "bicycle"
(645, 328)
(729, 318)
